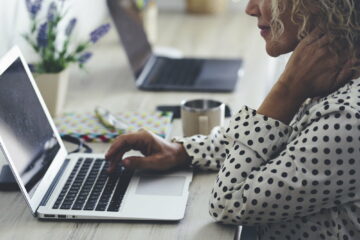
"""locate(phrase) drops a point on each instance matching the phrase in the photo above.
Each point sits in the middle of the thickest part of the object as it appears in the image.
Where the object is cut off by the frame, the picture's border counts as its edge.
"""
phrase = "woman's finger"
(135, 162)
(314, 36)
(115, 160)
(115, 146)
(322, 41)
(123, 144)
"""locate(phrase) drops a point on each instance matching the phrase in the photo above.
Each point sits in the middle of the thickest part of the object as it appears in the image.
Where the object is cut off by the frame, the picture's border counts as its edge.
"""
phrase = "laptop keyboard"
(180, 72)
(90, 187)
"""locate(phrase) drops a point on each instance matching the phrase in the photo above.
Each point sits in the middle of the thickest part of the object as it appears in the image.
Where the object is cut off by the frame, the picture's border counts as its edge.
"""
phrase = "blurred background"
(15, 18)
(183, 25)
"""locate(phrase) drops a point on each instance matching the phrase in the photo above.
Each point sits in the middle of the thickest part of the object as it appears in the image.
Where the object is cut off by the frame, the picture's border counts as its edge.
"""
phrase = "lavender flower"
(51, 12)
(99, 32)
(42, 38)
(70, 27)
(33, 8)
(85, 57)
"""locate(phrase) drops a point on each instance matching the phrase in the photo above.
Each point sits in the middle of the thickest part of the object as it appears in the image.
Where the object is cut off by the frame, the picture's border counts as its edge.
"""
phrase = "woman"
(290, 167)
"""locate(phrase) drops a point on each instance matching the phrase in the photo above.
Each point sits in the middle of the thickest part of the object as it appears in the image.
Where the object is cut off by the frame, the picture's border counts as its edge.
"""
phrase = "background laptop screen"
(132, 34)
(24, 127)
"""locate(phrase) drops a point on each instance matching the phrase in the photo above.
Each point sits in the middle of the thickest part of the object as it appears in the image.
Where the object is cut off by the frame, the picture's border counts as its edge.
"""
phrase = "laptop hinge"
(146, 70)
(54, 183)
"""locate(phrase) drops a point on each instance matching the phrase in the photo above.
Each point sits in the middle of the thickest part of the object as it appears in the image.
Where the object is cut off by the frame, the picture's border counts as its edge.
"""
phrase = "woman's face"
(261, 9)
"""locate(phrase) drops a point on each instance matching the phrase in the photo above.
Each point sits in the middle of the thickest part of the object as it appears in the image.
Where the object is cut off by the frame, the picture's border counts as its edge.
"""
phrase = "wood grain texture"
(109, 83)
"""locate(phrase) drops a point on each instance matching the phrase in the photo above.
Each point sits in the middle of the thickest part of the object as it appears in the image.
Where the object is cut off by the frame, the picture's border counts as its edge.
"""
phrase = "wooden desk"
(109, 83)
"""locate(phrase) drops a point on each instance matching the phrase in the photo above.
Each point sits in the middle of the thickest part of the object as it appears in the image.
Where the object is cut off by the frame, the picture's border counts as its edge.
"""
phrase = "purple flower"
(42, 38)
(51, 12)
(85, 57)
(70, 27)
(34, 7)
(99, 32)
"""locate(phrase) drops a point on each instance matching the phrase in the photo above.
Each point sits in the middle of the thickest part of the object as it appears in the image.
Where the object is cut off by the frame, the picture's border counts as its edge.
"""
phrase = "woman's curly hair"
(339, 19)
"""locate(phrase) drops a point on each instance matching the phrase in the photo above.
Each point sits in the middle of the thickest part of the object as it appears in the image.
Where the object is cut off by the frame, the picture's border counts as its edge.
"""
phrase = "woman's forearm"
(282, 103)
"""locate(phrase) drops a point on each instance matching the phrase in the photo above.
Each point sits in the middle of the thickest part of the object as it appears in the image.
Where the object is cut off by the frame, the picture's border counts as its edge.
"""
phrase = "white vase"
(53, 88)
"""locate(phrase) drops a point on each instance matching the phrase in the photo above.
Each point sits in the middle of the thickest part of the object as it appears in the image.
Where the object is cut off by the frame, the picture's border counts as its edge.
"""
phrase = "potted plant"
(50, 73)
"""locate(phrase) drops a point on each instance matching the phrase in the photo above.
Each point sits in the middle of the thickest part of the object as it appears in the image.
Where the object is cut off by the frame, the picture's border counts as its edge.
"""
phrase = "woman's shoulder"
(344, 102)
(346, 98)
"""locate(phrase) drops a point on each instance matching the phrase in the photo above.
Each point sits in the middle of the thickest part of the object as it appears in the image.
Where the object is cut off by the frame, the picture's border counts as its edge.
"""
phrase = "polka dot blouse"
(293, 182)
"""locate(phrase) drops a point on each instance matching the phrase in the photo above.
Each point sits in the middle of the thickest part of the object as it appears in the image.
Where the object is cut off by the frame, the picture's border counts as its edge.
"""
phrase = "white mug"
(199, 116)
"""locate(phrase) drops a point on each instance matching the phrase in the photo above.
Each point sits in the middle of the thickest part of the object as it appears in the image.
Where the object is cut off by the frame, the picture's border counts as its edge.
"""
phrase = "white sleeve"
(265, 179)
(206, 152)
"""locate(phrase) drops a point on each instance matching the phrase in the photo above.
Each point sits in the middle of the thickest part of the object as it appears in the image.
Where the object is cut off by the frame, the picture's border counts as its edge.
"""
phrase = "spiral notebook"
(88, 127)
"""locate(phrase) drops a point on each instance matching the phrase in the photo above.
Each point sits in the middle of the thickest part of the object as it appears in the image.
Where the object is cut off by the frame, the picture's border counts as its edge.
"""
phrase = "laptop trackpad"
(160, 185)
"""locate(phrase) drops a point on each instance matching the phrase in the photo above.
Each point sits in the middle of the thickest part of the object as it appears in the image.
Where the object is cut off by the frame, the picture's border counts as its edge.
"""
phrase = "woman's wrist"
(181, 156)
(282, 103)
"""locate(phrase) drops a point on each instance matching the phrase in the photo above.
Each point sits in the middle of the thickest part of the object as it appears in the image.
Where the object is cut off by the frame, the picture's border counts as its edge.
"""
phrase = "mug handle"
(203, 125)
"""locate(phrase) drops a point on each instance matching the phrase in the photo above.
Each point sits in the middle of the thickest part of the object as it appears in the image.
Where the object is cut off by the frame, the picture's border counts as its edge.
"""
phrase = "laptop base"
(190, 75)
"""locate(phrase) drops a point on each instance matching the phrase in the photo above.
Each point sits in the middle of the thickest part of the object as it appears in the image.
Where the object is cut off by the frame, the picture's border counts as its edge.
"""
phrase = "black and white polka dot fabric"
(292, 182)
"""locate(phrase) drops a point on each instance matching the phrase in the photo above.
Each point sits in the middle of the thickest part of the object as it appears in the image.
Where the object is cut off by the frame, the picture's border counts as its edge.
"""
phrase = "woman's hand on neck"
(311, 71)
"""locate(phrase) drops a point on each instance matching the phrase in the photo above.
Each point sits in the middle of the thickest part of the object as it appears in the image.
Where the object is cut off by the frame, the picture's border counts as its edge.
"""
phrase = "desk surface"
(108, 83)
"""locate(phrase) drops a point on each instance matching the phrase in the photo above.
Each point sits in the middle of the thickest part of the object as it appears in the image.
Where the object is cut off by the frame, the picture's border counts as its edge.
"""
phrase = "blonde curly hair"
(339, 19)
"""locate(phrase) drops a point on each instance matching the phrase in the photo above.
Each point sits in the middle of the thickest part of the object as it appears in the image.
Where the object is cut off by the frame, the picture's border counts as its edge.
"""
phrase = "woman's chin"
(272, 53)
(275, 49)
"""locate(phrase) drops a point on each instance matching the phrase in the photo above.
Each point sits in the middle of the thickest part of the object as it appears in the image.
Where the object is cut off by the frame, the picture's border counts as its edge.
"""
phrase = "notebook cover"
(87, 127)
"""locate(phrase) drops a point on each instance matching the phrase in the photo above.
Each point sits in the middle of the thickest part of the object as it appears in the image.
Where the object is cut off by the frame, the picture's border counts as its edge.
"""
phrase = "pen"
(110, 121)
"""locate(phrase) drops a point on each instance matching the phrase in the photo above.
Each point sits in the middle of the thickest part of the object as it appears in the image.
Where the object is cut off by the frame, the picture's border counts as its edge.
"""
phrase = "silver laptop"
(57, 185)
(154, 72)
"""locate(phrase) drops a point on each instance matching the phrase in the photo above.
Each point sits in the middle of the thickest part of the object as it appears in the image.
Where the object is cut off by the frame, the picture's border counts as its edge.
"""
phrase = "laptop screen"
(131, 32)
(24, 127)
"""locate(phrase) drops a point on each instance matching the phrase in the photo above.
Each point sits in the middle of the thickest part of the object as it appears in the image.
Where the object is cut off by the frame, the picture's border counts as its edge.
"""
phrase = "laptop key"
(120, 190)
(96, 191)
(108, 190)
(84, 192)
(89, 208)
(74, 189)
(99, 192)
(77, 207)
(65, 206)
(175, 72)
(100, 207)
(67, 185)
(56, 205)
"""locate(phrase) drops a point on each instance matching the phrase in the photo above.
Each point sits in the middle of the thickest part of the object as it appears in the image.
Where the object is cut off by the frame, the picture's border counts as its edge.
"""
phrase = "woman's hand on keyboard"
(159, 154)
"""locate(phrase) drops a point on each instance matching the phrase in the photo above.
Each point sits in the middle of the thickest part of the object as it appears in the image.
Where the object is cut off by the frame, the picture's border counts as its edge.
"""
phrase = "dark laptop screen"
(131, 32)
(24, 127)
